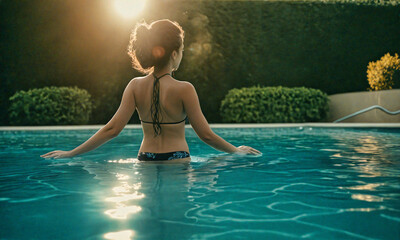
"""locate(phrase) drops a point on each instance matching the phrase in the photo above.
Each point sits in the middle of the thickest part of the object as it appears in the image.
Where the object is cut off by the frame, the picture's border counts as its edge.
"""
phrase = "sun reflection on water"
(367, 198)
(365, 209)
(129, 160)
(123, 194)
(122, 211)
(122, 235)
(369, 145)
(370, 187)
(367, 154)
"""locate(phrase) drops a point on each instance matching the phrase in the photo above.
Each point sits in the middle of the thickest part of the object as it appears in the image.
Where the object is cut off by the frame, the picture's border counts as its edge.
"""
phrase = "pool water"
(314, 183)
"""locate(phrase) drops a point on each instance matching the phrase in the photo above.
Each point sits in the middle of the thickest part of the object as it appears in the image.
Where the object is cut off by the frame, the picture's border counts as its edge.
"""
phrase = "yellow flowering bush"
(380, 73)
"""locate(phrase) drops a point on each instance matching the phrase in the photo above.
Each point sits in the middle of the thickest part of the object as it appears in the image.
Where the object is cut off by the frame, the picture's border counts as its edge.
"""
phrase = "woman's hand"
(58, 154)
(247, 150)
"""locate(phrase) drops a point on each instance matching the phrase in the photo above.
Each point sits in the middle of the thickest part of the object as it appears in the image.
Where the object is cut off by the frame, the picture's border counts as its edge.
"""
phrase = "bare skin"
(177, 99)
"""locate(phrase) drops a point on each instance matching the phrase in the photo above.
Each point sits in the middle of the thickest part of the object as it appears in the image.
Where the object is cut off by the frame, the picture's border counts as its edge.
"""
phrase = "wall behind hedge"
(228, 45)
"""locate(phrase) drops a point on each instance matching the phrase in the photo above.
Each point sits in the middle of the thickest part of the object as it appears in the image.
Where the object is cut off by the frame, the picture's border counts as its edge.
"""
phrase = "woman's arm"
(109, 131)
(200, 125)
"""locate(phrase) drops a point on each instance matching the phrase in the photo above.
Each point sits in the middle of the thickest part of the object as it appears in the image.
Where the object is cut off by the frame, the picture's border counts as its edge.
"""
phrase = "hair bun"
(142, 45)
(151, 45)
(142, 32)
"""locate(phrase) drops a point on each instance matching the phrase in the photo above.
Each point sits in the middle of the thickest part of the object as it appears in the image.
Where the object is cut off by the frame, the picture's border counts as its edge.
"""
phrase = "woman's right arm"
(200, 125)
(109, 131)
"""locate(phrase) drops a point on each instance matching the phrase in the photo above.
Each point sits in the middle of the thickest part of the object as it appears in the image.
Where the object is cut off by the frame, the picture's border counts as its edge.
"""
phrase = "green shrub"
(50, 106)
(380, 73)
(274, 104)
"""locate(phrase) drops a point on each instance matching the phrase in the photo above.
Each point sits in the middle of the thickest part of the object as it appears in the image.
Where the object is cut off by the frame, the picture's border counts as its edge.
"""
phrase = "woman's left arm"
(109, 131)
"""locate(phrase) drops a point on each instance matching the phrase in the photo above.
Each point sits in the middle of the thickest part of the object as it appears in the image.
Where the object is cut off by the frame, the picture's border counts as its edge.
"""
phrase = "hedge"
(324, 44)
(274, 105)
(50, 106)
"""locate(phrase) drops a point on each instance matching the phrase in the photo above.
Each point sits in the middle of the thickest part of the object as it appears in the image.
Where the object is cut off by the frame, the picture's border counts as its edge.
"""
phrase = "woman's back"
(161, 101)
(171, 114)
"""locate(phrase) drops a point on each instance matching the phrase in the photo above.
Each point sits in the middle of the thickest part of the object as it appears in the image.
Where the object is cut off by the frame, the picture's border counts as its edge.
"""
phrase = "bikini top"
(166, 122)
(156, 79)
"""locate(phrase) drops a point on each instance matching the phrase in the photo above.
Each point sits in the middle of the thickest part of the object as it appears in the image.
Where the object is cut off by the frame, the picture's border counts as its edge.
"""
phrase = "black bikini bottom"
(148, 156)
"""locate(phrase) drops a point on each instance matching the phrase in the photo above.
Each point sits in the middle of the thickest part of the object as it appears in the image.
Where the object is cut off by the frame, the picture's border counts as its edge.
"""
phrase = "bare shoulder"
(185, 90)
(185, 87)
(136, 79)
(136, 82)
(131, 83)
(186, 84)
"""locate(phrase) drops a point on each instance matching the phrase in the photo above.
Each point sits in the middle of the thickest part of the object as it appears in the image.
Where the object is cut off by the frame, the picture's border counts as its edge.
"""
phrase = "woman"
(163, 103)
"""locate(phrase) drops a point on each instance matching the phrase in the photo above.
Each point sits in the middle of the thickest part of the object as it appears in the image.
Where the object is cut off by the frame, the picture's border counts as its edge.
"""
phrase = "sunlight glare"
(122, 212)
(122, 235)
(367, 198)
(129, 8)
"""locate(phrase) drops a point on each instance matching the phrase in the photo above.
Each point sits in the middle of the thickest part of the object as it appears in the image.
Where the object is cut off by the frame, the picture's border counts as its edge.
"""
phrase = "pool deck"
(218, 125)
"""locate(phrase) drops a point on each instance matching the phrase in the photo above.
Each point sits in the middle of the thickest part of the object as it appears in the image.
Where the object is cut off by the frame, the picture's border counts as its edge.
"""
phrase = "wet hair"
(150, 47)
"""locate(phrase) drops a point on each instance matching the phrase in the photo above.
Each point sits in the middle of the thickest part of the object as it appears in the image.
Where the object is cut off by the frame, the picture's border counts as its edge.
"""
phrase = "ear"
(174, 54)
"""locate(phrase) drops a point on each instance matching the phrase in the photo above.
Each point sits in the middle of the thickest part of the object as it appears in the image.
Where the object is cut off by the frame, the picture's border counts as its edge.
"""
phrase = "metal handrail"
(366, 110)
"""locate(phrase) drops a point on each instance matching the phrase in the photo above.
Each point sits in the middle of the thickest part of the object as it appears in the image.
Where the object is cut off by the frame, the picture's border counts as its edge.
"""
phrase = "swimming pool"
(316, 183)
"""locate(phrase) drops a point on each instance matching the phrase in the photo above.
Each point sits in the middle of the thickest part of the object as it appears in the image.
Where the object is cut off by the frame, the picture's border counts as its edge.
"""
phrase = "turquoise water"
(314, 183)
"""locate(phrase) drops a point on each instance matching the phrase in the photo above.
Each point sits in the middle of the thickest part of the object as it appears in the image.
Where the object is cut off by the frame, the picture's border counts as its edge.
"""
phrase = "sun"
(129, 8)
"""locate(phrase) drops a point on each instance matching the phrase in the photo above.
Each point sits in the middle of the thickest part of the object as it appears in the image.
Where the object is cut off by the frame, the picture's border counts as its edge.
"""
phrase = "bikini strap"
(176, 122)
(158, 78)
(167, 122)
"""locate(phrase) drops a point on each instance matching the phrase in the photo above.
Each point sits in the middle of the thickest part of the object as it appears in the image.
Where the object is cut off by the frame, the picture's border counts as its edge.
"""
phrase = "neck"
(162, 71)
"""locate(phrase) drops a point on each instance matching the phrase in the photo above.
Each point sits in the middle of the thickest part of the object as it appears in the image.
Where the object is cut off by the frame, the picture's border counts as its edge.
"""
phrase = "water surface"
(315, 183)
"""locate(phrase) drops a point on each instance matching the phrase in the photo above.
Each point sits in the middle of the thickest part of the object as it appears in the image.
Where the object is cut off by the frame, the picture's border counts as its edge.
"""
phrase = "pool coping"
(215, 125)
